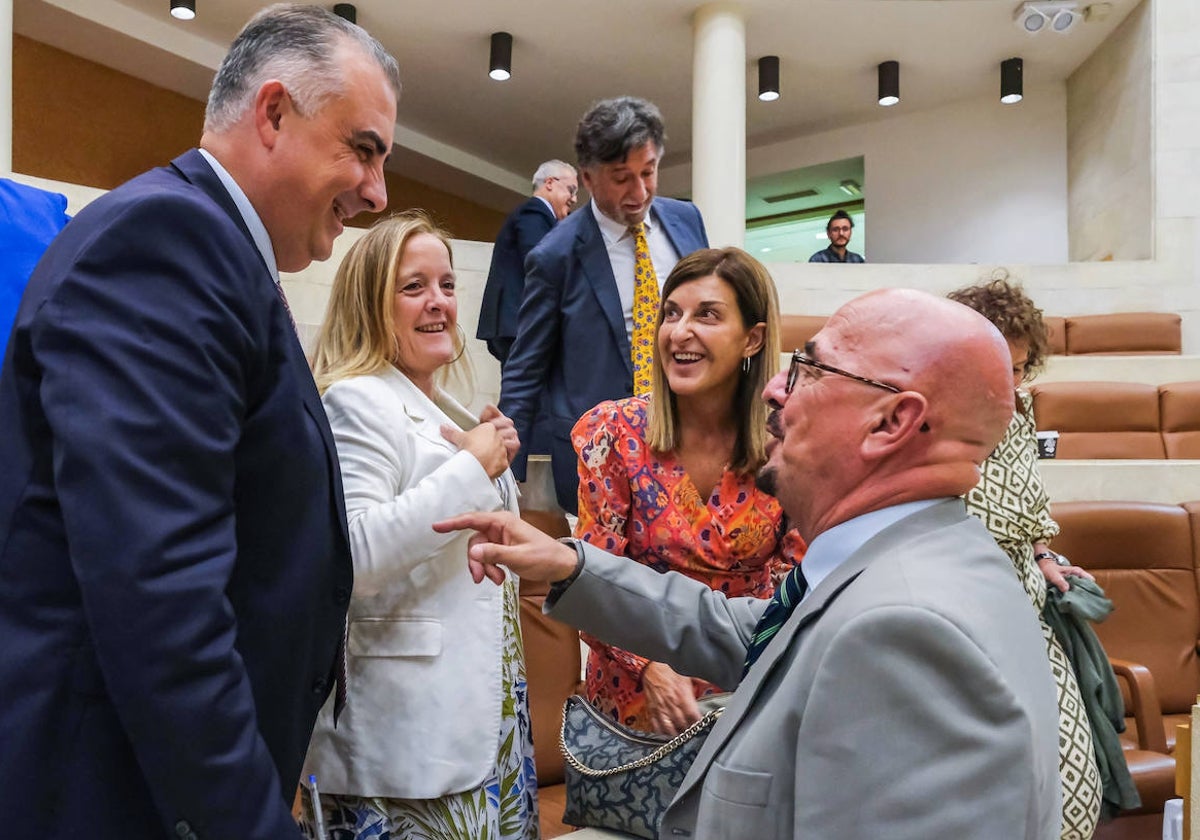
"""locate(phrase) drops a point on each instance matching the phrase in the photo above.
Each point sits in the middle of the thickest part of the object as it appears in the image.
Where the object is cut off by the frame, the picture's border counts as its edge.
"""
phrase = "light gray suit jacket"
(909, 696)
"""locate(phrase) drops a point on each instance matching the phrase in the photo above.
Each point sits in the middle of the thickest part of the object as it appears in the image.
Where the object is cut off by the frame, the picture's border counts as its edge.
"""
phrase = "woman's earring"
(745, 364)
(462, 343)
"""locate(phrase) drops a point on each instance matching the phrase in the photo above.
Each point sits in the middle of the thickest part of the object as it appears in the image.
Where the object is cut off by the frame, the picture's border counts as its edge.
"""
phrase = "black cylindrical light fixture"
(500, 65)
(347, 11)
(183, 9)
(889, 83)
(768, 78)
(1012, 86)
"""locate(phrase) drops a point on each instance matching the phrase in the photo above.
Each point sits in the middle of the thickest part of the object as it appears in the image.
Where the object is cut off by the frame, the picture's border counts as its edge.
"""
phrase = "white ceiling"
(464, 132)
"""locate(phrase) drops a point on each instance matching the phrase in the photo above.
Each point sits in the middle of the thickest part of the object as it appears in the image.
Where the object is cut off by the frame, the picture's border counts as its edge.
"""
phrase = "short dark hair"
(841, 214)
(1006, 305)
(612, 128)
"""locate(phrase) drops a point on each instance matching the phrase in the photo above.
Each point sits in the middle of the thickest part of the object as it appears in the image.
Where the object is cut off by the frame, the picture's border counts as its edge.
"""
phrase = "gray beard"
(766, 480)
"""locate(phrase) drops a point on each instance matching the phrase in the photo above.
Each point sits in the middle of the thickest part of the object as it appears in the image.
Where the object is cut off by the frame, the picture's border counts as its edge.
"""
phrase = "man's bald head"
(849, 448)
(946, 351)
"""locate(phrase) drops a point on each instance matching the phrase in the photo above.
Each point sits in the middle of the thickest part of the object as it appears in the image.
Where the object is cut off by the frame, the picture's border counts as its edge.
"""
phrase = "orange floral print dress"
(641, 504)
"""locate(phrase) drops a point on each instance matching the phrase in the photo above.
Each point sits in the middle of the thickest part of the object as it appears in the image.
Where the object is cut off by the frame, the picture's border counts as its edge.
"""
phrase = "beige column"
(719, 121)
(6, 85)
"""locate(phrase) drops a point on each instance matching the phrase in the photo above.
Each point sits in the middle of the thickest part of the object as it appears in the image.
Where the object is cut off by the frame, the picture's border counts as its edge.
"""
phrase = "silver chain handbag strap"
(646, 760)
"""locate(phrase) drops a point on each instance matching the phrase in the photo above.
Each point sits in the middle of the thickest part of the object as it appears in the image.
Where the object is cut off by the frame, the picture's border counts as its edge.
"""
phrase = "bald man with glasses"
(896, 685)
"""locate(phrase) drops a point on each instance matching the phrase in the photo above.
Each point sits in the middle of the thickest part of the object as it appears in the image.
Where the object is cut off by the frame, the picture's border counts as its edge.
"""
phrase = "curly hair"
(1006, 305)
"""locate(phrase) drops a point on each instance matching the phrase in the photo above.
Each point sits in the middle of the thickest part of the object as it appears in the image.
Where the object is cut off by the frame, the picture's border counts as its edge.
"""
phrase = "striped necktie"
(286, 308)
(783, 602)
(645, 312)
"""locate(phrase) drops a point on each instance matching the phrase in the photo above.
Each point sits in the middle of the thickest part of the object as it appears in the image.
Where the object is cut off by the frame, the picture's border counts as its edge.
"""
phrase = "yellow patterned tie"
(645, 311)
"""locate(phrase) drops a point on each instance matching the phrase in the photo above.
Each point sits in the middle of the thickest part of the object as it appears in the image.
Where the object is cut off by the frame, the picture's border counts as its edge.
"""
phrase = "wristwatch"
(1050, 555)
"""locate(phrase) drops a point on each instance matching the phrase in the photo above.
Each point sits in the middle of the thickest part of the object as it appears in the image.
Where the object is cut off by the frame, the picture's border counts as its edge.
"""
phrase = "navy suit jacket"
(174, 565)
(571, 335)
(522, 230)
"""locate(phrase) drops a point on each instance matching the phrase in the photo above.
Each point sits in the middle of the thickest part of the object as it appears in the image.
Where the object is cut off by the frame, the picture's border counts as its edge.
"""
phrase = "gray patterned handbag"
(619, 778)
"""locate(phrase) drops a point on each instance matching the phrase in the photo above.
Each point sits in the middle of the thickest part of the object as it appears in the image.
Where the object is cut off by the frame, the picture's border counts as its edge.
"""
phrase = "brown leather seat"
(796, 330)
(1141, 333)
(1056, 331)
(1179, 410)
(552, 667)
(1144, 555)
(1100, 419)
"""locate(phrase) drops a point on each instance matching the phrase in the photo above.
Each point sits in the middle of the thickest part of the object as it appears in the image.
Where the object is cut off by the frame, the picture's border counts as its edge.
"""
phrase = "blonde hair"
(358, 335)
(757, 303)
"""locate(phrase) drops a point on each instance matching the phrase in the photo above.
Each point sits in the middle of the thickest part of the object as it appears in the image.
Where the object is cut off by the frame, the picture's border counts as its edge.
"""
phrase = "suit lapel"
(679, 234)
(543, 209)
(193, 168)
(425, 415)
(747, 693)
(593, 258)
(196, 170)
(789, 637)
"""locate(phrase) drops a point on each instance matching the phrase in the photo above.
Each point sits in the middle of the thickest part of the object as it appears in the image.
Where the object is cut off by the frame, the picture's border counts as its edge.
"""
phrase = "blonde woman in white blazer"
(435, 739)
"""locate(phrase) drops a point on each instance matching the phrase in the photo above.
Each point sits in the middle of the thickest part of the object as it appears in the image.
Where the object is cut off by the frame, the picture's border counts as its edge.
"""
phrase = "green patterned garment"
(1012, 502)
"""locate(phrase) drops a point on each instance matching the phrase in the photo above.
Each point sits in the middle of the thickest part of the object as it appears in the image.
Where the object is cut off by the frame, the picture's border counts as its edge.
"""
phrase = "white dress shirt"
(619, 242)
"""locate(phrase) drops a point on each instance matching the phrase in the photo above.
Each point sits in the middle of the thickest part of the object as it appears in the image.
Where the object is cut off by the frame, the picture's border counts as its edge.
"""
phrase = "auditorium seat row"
(1123, 333)
(1120, 419)
(1147, 558)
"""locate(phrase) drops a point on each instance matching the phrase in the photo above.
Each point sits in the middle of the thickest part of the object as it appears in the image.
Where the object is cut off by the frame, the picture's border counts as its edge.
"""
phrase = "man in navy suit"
(572, 348)
(554, 189)
(174, 566)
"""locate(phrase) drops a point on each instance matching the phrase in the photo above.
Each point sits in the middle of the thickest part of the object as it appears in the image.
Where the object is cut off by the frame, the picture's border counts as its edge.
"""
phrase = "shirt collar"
(258, 231)
(549, 206)
(833, 547)
(613, 231)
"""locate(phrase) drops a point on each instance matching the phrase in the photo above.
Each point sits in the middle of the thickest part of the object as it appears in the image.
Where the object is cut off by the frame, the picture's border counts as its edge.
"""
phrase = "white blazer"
(424, 645)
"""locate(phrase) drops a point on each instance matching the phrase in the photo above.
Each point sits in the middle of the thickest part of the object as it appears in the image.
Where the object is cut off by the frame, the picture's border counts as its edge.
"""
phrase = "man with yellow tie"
(585, 332)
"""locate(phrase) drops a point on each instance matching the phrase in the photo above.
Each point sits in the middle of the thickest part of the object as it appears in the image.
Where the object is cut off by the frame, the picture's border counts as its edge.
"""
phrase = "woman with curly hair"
(1011, 501)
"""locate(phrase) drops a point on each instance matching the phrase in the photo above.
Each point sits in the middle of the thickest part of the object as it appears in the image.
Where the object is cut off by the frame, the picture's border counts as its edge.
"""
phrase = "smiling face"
(327, 167)
(424, 310)
(624, 189)
(702, 339)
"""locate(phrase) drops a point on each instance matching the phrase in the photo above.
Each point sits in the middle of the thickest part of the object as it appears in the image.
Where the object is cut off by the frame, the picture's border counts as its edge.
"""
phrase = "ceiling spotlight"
(500, 64)
(1030, 19)
(1034, 16)
(889, 83)
(347, 11)
(768, 78)
(1012, 86)
(183, 9)
(1063, 20)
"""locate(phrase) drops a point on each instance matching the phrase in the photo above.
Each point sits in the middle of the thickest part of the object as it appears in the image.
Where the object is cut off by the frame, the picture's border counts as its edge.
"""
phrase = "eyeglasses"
(573, 189)
(802, 359)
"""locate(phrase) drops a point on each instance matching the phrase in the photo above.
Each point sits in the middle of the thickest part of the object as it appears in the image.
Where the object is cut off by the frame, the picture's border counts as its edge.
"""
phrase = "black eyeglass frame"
(799, 357)
(573, 190)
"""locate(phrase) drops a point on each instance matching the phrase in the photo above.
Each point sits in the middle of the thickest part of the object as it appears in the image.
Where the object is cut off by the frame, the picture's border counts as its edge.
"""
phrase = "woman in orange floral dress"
(668, 479)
